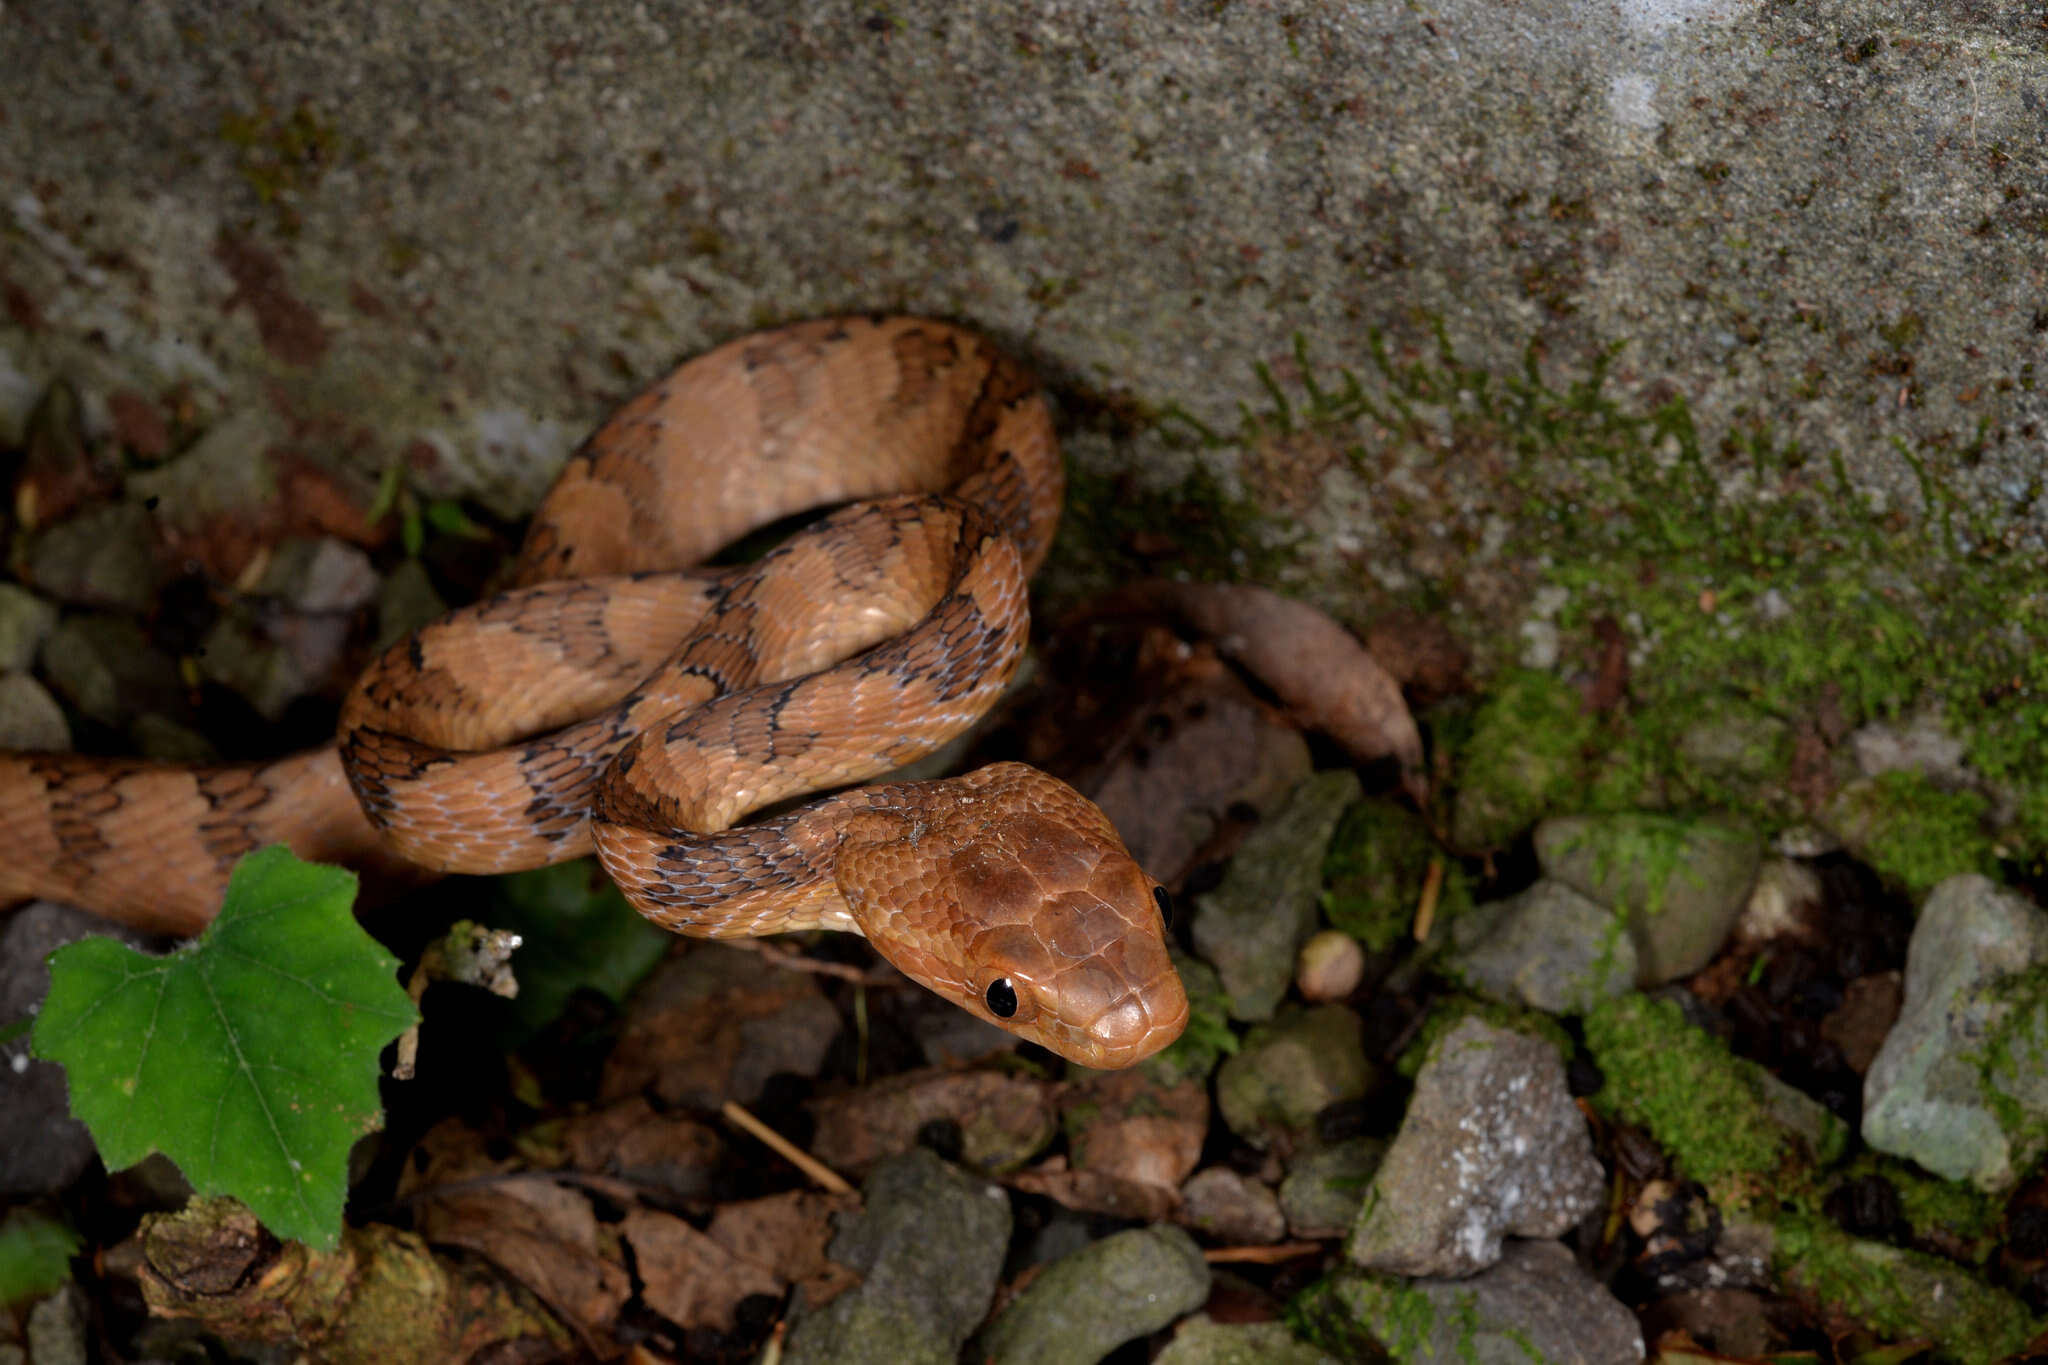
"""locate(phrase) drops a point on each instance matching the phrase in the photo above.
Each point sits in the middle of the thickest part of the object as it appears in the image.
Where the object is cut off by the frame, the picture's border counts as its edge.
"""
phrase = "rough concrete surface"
(459, 231)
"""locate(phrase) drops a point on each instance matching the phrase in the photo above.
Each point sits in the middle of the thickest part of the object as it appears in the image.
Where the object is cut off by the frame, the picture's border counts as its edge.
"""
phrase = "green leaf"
(249, 1056)
(576, 930)
(446, 516)
(387, 495)
(35, 1255)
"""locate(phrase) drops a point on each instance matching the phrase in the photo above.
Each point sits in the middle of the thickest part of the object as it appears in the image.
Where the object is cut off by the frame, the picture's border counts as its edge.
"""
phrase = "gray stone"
(1549, 948)
(1966, 1025)
(1201, 1340)
(1231, 1208)
(159, 737)
(1086, 1304)
(1252, 925)
(1682, 882)
(42, 1148)
(1536, 1304)
(106, 667)
(30, 718)
(406, 601)
(104, 557)
(928, 1245)
(1288, 1071)
(1325, 1187)
(26, 620)
(323, 575)
(263, 673)
(1492, 1146)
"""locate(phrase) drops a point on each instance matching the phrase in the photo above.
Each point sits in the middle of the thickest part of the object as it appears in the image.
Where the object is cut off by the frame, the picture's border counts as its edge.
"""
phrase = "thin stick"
(821, 1174)
(1432, 887)
(1266, 1255)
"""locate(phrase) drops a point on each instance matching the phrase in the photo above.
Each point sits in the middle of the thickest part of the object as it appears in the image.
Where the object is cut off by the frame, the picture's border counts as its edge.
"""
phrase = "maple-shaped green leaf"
(248, 1056)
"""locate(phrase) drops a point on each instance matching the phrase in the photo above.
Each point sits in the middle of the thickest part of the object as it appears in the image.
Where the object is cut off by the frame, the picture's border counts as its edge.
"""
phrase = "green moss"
(1524, 757)
(1114, 529)
(1898, 1293)
(1208, 1038)
(2014, 1056)
(1759, 591)
(1375, 868)
(281, 157)
(1914, 833)
(1708, 1108)
(1950, 1215)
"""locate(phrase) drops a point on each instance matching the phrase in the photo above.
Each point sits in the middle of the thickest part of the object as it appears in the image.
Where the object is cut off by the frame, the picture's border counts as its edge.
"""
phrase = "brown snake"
(620, 700)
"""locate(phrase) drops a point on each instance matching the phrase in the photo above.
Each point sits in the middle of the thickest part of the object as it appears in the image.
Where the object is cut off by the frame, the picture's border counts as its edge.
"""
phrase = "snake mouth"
(1145, 1020)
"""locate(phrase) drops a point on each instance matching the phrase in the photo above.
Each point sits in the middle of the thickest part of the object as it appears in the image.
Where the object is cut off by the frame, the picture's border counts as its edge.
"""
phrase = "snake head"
(1009, 893)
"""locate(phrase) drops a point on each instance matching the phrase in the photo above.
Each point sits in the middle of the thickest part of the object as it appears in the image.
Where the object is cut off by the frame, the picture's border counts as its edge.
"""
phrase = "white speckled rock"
(1492, 1146)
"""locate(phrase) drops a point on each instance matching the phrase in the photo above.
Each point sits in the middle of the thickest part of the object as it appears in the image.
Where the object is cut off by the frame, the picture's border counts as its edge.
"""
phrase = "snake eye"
(1002, 998)
(1165, 906)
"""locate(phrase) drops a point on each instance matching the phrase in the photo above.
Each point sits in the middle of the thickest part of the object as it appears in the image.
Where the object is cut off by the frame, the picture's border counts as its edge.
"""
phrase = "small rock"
(1290, 1070)
(319, 576)
(1330, 966)
(1085, 1305)
(1524, 754)
(103, 558)
(1899, 1292)
(1201, 1340)
(1921, 745)
(1783, 887)
(1737, 744)
(1964, 1029)
(1865, 1018)
(30, 719)
(1549, 948)
(42, 1148)
(928, 1245)
(26, 620)
(1325, 1188)
(106, 667)
(57, 1329)
(1231, 1208)
(1491, 1146)
(241, 657)
(1131, 1125)
(1681, 882)
(406, 601)
(1250, 927)
(1536, 1304)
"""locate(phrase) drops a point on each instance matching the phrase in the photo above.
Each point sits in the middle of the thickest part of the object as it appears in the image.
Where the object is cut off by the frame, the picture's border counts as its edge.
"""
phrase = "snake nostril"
(1002, 998)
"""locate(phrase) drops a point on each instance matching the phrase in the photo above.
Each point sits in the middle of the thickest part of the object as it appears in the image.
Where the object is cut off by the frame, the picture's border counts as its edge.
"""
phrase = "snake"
(620, 697)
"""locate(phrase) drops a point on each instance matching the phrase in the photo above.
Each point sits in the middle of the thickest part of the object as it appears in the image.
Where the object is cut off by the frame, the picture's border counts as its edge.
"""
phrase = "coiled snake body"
(621, 701)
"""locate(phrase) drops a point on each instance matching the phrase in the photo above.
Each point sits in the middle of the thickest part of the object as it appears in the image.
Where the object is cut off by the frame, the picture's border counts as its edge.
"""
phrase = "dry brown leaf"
(1003, 1120)
(1096, 1191)
(630, 1140)
(714, 1024)
(787, 1234)
(1205, 747)
(1315, 666)
(686, 1276)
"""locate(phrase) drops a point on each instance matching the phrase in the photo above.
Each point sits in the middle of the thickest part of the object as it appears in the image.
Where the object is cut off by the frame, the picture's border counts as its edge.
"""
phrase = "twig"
(789, 959)
(1432, 887)
(1263, 1255)
(821, 1174)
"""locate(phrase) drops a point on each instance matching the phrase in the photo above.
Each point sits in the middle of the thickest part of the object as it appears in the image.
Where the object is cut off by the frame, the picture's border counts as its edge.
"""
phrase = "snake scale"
(617, 698)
